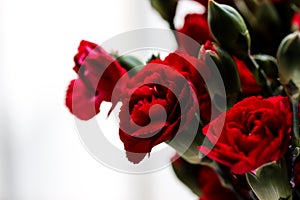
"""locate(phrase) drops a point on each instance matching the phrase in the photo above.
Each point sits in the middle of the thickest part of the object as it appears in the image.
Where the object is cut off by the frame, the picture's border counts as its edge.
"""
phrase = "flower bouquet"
(226, 100)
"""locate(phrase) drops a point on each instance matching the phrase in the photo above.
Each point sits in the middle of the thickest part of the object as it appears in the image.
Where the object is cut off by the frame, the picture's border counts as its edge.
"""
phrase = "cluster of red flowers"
(257, 128)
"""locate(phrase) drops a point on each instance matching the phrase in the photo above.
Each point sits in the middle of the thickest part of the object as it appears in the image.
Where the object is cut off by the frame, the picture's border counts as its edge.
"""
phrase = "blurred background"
(41, 155)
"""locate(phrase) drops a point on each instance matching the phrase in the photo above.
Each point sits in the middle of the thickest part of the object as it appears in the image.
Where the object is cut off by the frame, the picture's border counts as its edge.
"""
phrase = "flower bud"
(255, 12)
(227, 69)
(268, 64)
(288, 57)
(229, 29)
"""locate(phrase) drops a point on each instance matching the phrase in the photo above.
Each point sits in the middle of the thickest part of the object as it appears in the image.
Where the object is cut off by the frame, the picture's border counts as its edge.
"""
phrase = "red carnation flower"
(256, 131)
(138, 133)
(98, 74)
(154, 85)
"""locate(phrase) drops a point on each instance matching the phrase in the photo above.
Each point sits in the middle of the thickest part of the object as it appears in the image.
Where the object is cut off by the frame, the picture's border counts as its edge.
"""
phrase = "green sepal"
(229, 29)
(268, 64)
(270, 181)
(153, 57)
(229, 73)
(230, 76)
(288, 57)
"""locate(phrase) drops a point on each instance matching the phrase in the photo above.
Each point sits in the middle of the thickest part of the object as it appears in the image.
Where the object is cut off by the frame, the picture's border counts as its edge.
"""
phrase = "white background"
(41, 156)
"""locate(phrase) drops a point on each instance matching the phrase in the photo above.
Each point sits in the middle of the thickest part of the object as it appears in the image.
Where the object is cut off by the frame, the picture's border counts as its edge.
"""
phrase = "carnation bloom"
(98, 74)
(176, 86)
(155, 87)
(256, 131)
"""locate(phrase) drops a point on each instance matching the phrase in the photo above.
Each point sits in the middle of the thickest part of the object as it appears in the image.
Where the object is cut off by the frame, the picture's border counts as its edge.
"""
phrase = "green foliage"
(229, 74)
(166, 8)
(229, 29)
(187, 174)
(270, 182)
(131, 64)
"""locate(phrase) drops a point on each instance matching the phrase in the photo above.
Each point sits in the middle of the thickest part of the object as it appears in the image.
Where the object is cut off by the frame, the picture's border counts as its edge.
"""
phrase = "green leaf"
(130, 63)
(271, 182)
(166, 8)
(228, 72)
(230, 76)
(187, 173)
(183, 145)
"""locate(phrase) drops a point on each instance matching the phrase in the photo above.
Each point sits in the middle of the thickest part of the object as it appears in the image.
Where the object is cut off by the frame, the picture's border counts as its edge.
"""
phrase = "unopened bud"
(288, 57)
(229, 29)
